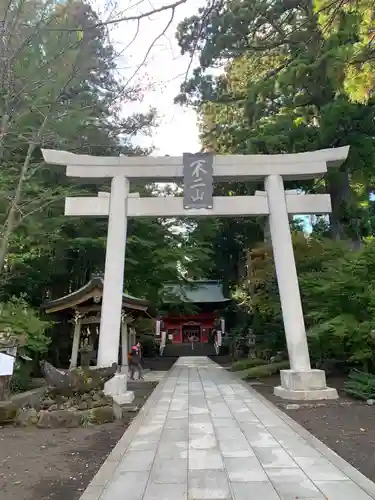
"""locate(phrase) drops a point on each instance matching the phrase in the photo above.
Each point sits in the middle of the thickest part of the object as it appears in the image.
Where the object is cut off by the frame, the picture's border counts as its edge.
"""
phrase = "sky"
(159, 71)
(162, 73)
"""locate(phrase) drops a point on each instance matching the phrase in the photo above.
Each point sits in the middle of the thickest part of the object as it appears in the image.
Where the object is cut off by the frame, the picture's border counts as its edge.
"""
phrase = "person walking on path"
(135, 363)
(138, 345)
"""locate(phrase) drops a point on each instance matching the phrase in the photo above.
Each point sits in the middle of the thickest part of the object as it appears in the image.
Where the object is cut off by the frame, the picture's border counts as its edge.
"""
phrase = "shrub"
(21, 378)
(245, 364)
(149, 347)
(225, 350)
(341, 306)
(22, 323)
(265, 370)
(338, 294)
(360, 385)
(21, 326)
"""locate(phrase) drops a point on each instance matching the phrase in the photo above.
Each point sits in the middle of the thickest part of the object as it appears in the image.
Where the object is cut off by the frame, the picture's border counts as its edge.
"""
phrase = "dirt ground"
(57, 464)
(159, 363)
(347, 426)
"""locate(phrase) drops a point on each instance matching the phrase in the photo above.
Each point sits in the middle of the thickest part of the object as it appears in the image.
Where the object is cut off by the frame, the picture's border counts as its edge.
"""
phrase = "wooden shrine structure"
(206, 299)
(84, 308)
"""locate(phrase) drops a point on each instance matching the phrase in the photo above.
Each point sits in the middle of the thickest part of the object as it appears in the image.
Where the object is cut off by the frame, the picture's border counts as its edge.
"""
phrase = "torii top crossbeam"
(225, 167)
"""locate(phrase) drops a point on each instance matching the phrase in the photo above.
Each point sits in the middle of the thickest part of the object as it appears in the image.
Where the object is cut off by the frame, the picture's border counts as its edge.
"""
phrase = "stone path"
(203, 435)
(153, 376)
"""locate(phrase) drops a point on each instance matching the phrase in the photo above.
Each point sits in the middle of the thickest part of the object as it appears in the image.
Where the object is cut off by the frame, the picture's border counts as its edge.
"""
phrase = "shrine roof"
(197, 292)
(92, 291)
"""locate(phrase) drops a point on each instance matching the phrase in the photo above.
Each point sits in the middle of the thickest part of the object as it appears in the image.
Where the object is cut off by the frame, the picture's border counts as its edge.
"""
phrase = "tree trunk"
(11, 219)
(3, 132)
(5, 387)
(343, 227)
(339, 189)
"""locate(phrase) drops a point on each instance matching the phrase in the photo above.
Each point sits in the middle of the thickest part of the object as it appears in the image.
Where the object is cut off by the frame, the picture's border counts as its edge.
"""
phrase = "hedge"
(245, 364)
(264, 370)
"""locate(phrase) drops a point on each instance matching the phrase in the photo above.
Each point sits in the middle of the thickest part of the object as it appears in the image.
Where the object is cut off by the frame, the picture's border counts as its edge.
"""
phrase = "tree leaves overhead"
(287, 32)
(353, 23)
(57, 90)
(285, 88)
(59, 70)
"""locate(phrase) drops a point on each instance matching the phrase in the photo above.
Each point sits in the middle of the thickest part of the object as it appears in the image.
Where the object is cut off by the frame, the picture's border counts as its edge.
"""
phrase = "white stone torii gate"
(300, 382)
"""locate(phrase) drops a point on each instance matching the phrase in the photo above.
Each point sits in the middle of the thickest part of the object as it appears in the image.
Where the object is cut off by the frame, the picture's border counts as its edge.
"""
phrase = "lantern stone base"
(116, 387)
(304, 386)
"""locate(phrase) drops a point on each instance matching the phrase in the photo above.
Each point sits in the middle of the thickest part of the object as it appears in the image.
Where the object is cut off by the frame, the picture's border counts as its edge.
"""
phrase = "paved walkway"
(203, 435)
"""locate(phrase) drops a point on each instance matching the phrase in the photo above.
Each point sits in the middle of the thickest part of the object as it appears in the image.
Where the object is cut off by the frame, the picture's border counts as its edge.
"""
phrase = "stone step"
(186, 350)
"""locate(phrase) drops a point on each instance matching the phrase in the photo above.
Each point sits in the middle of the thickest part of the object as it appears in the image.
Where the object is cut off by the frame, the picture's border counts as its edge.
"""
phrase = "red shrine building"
(191, 310)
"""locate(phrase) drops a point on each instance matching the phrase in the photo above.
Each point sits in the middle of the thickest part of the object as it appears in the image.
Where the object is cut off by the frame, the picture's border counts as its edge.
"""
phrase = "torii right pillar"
(301, 382)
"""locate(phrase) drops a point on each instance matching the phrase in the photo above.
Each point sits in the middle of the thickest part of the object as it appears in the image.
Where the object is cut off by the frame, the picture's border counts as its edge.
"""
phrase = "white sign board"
(6, 364)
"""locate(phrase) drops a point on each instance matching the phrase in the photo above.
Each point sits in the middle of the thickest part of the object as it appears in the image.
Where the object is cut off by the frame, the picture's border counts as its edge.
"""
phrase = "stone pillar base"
(124, 399)
(117, 388)
(304, 386)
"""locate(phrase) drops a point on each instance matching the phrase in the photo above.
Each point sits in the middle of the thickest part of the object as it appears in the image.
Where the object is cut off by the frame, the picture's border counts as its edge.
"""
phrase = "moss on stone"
(8, 412)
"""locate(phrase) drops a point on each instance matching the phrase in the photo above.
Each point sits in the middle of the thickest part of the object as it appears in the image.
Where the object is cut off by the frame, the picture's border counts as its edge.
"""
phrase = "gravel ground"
(57, 464)
(346, 425)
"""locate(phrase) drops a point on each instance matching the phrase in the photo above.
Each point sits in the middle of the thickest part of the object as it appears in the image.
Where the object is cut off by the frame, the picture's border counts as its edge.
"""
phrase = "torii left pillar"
(111, 317)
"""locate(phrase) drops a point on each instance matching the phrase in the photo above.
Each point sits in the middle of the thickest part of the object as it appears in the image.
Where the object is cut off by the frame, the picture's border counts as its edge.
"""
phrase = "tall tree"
(299, 104)
(58, 89)
(357, 20)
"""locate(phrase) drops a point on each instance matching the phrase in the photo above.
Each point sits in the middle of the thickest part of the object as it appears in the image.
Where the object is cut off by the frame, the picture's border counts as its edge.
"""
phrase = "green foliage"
(264, 370)
(337, 291)
(62, 92)
(225, 348)
(149, 346)
(360, 385)
(340, 307)
(291, 91)
(21, 378)
(244, 364)
(19, 320)
(158, 253)
(21, 326)
(144, 325)
(353, 22)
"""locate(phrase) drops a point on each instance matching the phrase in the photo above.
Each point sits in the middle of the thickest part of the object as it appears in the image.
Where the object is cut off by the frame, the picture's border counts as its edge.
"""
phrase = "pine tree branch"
(121, 19)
